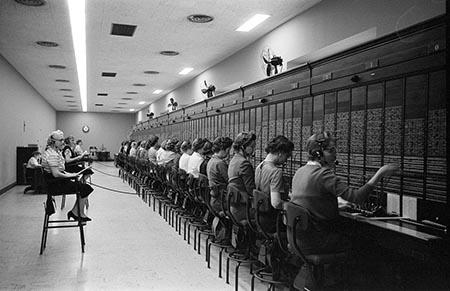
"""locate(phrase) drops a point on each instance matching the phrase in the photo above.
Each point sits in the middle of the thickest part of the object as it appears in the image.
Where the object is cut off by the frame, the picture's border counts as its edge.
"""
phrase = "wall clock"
(85, 129)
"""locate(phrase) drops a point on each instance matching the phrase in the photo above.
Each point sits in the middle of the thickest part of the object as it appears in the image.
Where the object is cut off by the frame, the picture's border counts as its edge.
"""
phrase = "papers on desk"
(409, 205)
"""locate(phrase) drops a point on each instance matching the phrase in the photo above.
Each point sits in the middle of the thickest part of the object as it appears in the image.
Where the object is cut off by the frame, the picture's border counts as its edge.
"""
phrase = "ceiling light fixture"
(142, 102)
(132, 92)
(252, 22)
(151, 72)
(77, 11)
(132, 109)
(139, 85)
(57, 66)
(157, 91)
(47, 43)
(31, 2)
(68, 96)
(200, 18)
(186, 71)
(169, 53)
(62, 81)
(65, 89)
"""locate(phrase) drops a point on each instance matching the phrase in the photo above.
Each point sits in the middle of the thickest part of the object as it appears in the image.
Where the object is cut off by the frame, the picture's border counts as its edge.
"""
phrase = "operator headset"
(320, 140)
(249, 138)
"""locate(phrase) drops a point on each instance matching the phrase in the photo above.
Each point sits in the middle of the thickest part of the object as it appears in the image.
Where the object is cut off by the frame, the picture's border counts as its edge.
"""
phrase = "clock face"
(85, 129)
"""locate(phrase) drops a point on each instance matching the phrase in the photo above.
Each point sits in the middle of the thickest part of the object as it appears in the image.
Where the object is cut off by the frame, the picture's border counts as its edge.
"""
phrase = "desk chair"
(270, 272)
(34, 177)
(311, 274)
(220, 192)
(242, 254)
(49, 209)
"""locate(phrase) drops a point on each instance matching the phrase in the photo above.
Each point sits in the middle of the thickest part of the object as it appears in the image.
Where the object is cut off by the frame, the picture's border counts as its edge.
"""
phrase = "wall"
(335, 20)
(108, 129)
(26, 118)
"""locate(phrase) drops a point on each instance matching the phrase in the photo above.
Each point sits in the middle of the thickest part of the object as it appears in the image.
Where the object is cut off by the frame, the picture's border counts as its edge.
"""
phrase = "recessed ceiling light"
(132, 92)
(252, 22)
(47, 43)
(71, 101)
(157, 91)
(123, 29)
(72, 105)
(68, 96)
(31, 2)
(119, 107)
(139, 85)
(200, 18)
(108, 74)
(62, 81)
(122, 103)
(169, 53)
(151, 72)
(126, 98)
(186, 71)
(65, 89)
(99, 104)
(102, 94)
(57, 66)
(142, 102)
(131, 109)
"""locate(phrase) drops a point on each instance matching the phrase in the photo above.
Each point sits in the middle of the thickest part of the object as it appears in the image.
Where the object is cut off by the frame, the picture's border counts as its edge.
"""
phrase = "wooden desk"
(408, 238)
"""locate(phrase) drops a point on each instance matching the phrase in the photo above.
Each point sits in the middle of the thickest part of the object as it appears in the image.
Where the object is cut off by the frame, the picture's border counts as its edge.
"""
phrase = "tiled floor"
(128, 246)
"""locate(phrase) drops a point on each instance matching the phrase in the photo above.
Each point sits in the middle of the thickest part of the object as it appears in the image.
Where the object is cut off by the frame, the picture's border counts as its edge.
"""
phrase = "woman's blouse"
(195, 161)
(241, 174)
(52, 158)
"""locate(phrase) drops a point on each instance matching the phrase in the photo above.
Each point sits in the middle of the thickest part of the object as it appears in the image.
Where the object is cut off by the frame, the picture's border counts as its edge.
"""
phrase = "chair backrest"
(232, 193)
(203, 192)
(297, 223)
(261, 204)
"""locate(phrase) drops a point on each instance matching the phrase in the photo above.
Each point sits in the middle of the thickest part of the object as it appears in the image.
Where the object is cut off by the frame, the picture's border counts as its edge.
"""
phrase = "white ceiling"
(161, 25)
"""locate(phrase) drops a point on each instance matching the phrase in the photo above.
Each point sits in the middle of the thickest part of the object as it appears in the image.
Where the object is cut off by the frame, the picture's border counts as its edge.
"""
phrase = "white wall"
(322, 25)
(108, 129)
(20, 105)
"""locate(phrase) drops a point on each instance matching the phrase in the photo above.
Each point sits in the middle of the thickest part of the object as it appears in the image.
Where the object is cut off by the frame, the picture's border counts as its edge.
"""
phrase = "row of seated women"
(315, 185)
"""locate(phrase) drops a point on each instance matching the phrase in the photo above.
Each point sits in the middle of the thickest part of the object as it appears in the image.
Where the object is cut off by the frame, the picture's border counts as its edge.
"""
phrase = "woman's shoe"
(70, 214)
(85, 218)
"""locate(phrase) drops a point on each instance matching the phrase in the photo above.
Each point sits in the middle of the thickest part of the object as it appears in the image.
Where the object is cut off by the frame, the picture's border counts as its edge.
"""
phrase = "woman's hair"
(36, 153)
(79, 141)
(317, 143)
(221, 143)
(207, 148)
(67, 139)
(178, 146)
(171, 144)
(153, 140)
(243, 139)
(185, 146)
(280, 144)
(54, 136)
(198, 143)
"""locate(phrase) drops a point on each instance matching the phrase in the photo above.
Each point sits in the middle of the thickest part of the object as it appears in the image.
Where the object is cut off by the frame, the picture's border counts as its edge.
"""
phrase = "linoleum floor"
(128, 246)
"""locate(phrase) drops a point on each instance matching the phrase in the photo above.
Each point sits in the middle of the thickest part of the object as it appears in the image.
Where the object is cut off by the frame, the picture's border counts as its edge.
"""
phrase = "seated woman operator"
(241, 173)
(217, 172)
(269, 179)
(316, 187)
(72, 160)
(54, 167)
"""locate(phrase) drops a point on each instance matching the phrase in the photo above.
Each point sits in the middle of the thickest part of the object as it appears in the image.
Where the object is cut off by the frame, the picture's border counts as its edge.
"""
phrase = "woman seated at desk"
(269, 179)
(316, 187)
(54, 171)
(74, 162)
